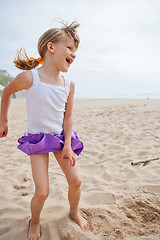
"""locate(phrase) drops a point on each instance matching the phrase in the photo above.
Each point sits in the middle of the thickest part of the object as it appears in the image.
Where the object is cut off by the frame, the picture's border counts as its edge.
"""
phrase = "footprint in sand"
(100, 198)
(19, 189)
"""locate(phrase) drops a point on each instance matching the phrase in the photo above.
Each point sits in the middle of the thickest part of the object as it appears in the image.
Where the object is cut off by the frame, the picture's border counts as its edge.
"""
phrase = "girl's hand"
(3, 129)
(68, 154)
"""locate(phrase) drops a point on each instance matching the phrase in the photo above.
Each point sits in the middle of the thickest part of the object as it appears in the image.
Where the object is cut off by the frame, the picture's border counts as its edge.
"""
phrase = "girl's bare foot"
(82, 222)
(34, 230)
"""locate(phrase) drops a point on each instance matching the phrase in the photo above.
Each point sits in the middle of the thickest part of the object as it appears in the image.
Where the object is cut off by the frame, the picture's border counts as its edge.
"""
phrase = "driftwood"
(143, 162)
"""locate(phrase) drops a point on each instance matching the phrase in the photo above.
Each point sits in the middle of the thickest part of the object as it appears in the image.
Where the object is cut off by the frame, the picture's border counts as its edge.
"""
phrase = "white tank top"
(45, 106)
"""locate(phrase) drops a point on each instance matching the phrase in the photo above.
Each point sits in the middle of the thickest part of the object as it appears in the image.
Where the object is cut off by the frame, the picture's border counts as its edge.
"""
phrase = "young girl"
(49, 101)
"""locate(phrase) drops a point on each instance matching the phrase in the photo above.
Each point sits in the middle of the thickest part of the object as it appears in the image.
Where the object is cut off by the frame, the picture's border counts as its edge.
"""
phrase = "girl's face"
(64, 54)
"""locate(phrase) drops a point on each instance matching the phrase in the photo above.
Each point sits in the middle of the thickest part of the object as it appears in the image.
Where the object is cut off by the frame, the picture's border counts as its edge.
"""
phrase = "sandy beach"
(120, 200)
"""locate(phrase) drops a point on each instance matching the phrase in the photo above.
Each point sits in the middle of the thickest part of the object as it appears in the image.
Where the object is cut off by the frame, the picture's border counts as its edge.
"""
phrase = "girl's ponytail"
(22, 61)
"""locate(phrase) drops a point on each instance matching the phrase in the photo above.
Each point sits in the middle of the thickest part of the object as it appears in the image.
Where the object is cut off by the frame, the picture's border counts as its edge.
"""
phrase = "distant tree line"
(4, 80)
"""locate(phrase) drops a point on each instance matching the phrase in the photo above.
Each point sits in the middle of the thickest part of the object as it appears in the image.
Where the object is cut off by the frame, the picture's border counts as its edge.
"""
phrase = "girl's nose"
(73, 55)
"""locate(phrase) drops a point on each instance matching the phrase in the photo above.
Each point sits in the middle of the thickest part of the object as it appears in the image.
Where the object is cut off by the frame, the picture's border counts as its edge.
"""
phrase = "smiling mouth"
(69, 60)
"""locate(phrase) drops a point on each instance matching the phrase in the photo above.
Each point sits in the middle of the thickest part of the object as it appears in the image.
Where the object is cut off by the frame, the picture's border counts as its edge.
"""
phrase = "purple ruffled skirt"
(46, 142)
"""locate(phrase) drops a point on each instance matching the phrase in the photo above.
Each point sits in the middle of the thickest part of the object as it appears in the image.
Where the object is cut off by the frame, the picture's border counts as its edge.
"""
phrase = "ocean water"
(117, 89)
(134, 95)
(123, 95)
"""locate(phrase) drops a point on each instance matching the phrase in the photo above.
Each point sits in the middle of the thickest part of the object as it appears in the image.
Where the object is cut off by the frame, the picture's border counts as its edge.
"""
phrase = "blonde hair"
(22, 61)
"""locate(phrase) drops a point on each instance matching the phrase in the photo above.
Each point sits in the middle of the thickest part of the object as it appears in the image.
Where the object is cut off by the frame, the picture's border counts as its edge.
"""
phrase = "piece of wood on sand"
(143, 162)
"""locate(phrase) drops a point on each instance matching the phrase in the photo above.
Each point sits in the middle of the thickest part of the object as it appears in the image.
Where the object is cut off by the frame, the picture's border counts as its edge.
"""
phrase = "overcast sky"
(120, 41)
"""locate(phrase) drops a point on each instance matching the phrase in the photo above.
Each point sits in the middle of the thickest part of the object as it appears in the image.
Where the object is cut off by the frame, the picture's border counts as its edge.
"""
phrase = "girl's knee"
(75, 183)
(42, 195)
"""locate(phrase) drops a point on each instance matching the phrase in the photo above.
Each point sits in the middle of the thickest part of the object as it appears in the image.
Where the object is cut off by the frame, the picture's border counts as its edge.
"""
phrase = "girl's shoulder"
(25, 78)
(72, 85)
(22, 81)
(72, 88)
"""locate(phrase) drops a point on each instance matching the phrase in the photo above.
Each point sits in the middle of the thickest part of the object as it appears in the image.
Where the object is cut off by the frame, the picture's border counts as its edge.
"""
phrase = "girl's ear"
(50, 47)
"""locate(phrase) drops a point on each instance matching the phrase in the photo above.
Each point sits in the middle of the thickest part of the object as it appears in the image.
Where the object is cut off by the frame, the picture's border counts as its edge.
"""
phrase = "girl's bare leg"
(39, 164)
(74, 192)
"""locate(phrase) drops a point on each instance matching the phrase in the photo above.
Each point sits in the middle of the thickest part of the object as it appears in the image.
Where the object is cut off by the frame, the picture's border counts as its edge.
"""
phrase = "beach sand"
(120, 200)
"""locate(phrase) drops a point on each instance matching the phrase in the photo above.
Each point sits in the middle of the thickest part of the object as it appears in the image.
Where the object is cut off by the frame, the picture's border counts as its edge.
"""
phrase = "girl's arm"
(21, 82)
(67, 127)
